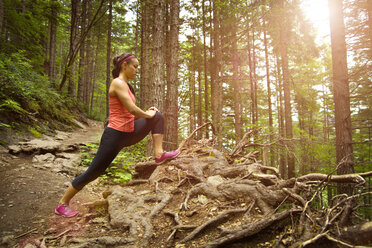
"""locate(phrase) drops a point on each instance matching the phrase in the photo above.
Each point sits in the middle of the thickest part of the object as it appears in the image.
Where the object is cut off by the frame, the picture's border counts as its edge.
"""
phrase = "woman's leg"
(110, 146)
(157, 138)
(143, 126)
(69, 193)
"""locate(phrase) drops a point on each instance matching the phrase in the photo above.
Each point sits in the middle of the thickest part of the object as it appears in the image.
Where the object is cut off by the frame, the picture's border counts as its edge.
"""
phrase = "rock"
(30, 246)
(3, 149)
(14, 149)
(79, 124)
(6, 239)
(73, 158)
(68, 166)
(35, 146)
(48, 157)
(202, 199)
(61, 135)
(215, 180)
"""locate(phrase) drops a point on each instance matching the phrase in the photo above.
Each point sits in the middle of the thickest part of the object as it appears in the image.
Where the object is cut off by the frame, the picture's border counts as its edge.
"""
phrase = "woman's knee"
(159, 116)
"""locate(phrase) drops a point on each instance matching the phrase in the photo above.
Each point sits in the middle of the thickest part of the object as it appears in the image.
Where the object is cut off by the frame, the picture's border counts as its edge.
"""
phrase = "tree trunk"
(217, 100)
(158, 55)
(251, 80)
(282, 165)
(254, 64)
(269, 96)
(73, 44)
(171, 132)
(369, 11)
(108, 56)
(212, 64)
(287, 97)
(82, 65)
(145, 57)
(192, 99)
(53, 41)
(1, 17)
(206, 86)
(200, 118)
(88, 60)
(325, 116)
(344, 149)
(236, 84)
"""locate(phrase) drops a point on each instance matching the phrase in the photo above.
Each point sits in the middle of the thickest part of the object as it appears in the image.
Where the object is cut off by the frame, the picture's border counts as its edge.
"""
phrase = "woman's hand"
(154, 108)
(151, 113)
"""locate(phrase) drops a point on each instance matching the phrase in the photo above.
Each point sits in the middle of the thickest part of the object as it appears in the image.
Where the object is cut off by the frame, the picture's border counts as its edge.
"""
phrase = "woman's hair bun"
(116, 60)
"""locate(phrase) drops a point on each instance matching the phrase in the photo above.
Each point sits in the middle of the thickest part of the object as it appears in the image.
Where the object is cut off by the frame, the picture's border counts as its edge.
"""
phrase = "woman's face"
(131, 69)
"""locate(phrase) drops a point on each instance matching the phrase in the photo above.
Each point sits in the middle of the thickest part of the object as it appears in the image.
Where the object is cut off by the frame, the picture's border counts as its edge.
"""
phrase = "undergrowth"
(28, 99)
(121, 168)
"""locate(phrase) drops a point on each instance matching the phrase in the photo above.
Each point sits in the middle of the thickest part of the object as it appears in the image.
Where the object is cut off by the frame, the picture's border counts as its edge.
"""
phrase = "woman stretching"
(128, 124)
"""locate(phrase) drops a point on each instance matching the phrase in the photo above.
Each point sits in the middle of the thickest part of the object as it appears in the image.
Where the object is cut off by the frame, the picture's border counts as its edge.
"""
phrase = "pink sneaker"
(64, 210)
(167, 156)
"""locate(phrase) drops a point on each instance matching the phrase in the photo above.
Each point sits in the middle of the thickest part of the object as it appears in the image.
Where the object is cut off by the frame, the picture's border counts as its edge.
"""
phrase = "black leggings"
(112, 141)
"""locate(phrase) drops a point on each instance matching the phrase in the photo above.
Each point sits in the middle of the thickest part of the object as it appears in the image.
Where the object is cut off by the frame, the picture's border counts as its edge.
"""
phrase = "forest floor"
(29, 191)
(204, 198)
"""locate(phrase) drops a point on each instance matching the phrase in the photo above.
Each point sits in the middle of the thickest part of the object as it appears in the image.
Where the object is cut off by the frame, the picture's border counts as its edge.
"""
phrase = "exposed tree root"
(207, 197)
(210, 222)
(249, 230)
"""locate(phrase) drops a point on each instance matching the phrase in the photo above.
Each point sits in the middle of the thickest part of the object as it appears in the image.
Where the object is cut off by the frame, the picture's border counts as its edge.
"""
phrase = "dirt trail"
(28, 194)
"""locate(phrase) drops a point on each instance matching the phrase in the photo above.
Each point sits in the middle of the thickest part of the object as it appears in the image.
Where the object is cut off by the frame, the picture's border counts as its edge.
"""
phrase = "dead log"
(348, 178)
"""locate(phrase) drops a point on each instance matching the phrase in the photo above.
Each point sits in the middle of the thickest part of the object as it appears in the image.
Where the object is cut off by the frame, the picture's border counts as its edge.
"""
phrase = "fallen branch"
(28, 232)
(348, 178)
(193, 133)
(242, 143)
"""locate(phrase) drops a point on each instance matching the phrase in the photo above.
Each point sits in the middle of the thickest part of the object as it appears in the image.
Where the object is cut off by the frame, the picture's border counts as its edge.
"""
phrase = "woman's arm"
(120, 90)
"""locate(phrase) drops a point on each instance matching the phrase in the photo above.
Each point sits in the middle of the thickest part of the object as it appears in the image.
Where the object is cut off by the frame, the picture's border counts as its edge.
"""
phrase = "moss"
(34, 133)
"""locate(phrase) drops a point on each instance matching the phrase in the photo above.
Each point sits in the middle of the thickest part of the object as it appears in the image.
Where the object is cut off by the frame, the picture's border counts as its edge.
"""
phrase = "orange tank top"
(119, 117)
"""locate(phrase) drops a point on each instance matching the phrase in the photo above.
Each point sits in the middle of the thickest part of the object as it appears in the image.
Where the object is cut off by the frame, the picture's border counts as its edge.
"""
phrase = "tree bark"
(341, 94)
(171, 132)
(158, 55)
(108, 56)
(145, 57)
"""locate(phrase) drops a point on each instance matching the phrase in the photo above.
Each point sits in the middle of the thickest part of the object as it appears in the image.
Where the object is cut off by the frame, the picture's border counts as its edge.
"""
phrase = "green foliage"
(25, 91)
(120, 170)
(10, 105)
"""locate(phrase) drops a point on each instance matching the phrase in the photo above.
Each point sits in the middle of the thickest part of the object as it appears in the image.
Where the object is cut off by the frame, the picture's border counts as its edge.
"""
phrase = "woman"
(128, 124)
